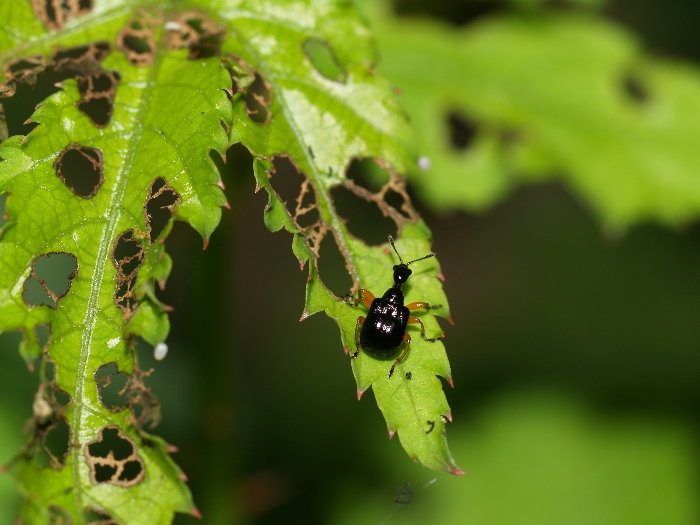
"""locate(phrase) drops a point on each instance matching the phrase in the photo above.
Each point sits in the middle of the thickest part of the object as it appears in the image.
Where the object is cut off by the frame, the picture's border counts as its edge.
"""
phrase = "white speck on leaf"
(424, 163)
(113, 342)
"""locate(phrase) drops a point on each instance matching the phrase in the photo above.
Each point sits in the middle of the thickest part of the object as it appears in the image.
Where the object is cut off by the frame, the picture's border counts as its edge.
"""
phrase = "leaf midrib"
(97, 281)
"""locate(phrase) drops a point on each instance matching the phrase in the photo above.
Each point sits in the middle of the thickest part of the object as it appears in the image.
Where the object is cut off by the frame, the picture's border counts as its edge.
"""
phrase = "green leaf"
(547, 96)
(321, 108)
(167, 116)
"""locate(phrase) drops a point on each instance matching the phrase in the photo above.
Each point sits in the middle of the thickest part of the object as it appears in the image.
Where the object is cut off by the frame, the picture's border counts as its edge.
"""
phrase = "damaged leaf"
(85, 188)
(321, 107)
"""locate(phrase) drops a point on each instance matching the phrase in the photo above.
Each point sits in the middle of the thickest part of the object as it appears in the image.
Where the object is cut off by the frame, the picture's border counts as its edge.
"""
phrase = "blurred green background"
(575, 356)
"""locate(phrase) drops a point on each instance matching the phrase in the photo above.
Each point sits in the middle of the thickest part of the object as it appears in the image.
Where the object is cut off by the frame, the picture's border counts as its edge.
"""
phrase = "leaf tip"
(450, 381)
(392, 433)
(183, 477)
(172, 449)
(220, 183)
(205, 244)
(454, 469)
(447, 417)
(227, 205)
(360, 393)
(195, 512)
(304, 316)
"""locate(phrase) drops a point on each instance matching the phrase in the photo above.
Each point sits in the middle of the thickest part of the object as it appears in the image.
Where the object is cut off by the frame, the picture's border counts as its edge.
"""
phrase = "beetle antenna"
(426, 257)
(391, 240)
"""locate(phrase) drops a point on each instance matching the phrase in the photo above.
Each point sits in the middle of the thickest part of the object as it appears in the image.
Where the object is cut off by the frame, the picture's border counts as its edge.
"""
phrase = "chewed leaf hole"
(113, 459)
(257, 100)
(111, 387)
(366, 173)
(332, 269)
(136, 39)
(42, 332)
(127, 256)
(59, 516)
(635, 89)
(93, 516)
(295, 191)
(159, 207)
(396, 201)
(81, 168)
(137, 45)
(363, 218)
(54, 445)
(98, 89)
(461, 130)
(50, 279)
(286, 180)
(321, 55)
(55, 13)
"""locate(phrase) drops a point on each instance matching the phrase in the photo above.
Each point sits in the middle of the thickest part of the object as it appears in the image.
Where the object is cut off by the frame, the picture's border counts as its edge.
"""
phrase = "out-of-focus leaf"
(518, 99)
(542, 459)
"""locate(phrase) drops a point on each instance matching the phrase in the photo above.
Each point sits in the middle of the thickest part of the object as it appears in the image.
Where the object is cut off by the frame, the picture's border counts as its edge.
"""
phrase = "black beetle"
(384, 328)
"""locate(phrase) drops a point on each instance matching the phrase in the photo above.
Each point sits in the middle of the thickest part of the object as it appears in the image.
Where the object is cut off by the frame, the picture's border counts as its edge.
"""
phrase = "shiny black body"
(382, 332)
(385, 325)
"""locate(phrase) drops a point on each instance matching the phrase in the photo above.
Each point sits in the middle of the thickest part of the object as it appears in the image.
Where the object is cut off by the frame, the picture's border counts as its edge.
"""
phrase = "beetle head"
(401, 273)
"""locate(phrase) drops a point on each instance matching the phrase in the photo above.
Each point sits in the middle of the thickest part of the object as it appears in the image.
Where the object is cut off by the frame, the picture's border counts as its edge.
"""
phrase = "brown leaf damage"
(113, 459)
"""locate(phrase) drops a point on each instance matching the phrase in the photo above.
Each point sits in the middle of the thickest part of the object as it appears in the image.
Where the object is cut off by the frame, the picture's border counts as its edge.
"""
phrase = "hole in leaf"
(99, 110)
(112, 458)
(55, 444)
(127, 256)
(137, 45)
(295, 190)
(396, 201)
(257, 100)
(635, 89)
(367, 174)
(136, 39)
(23, 100)
(71, 57)
(81, 168)
(50, 279)
(363, 218)
(32, 81)
(59, 516)
(59, 398)
(97, 90)
(321, 55)
(55, 13)
(93, 516)
(42, 332)
(286, 180)
(331, 267)
(462, 131)
(111, 387)
(159, 207)
(196, 32)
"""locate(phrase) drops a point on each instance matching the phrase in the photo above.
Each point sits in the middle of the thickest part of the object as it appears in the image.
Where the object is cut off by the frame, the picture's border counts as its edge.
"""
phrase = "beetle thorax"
(394, 295)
